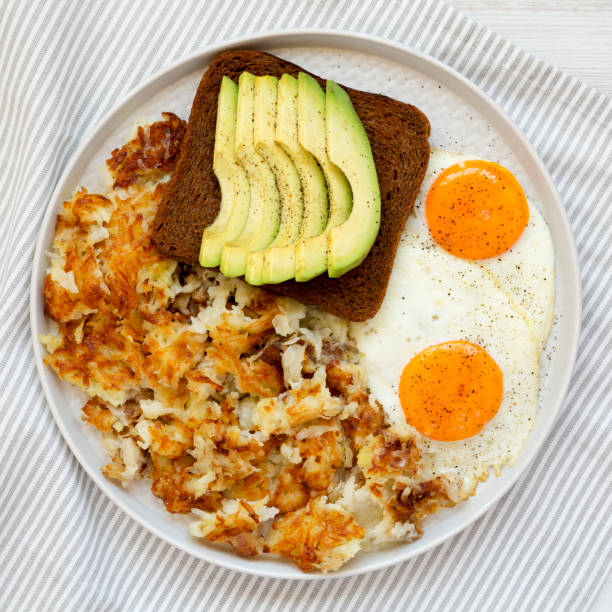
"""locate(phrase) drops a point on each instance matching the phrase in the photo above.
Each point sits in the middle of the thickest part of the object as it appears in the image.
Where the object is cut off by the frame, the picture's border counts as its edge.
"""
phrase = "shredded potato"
(248, 410)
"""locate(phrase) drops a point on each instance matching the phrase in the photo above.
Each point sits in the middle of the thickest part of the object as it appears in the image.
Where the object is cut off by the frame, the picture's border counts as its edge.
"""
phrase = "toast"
(398, 135)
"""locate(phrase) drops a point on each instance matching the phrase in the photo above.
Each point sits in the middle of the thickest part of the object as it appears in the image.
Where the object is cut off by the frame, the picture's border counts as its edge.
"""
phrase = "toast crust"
(398, 135)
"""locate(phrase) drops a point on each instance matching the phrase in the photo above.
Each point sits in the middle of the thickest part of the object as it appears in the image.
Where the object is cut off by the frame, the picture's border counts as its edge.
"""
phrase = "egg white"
(435, 297)
(526, 272)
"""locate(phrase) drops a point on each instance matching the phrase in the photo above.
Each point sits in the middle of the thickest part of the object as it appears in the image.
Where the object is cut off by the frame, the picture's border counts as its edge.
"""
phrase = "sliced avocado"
(311, 253)
(281, 250)
(232, 177)
(349, 148)
(264, 213)
(314, 188)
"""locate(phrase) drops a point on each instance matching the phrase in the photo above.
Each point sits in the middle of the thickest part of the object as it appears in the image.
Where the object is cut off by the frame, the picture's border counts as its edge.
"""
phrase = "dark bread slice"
(398, 134)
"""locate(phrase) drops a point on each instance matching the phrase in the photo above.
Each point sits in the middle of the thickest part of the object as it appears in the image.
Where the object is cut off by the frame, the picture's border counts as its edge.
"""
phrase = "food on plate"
(312, 180)
(289, 188)
(151, 155)
(476, 209)
(279, 426)
(264, 216)
(232, 177)
(311, 253)
(398, 136)
(432, 390)
(526, 270)
(265, 251)
(421, 354)
(248, 409)
(349, 149)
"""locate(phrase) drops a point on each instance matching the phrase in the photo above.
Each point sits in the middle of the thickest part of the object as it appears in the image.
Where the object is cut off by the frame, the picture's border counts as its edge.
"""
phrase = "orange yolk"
(450, 391)
(476, 209)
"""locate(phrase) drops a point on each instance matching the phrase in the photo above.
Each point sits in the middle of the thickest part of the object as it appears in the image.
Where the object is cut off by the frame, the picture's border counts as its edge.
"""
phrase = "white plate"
(463, 119)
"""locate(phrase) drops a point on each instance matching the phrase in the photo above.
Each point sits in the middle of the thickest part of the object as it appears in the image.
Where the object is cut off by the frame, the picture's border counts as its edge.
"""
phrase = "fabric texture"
(547, 545)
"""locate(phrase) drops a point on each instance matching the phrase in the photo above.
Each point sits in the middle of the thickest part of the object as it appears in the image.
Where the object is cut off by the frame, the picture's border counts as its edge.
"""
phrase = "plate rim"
(307, 37)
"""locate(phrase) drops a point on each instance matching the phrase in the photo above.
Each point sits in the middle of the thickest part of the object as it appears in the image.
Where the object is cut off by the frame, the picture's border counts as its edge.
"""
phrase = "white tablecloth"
(64, 546)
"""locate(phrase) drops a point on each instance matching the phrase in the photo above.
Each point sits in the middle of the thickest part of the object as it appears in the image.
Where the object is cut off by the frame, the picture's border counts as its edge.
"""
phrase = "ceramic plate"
(463, 119)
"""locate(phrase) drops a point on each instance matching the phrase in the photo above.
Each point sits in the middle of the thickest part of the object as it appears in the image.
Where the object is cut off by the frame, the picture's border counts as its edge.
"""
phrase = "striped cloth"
(547, 545)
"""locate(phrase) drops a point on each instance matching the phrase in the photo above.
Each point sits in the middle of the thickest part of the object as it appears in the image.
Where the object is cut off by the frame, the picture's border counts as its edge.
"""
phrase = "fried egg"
(453, 353)
(525, 269)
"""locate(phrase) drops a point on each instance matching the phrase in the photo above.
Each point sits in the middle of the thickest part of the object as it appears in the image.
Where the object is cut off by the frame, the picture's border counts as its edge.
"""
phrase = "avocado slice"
(349, 148)
(263, 219)
(232, 177)
(281, 251)
(278, 262)
(311, 253)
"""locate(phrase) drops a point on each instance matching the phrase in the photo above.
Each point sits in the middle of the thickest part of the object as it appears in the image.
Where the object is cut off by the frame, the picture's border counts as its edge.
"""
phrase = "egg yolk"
(450, 391)
(476, 209)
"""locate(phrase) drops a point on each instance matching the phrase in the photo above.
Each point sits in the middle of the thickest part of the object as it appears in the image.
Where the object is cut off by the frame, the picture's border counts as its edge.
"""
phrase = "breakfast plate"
(464, 120)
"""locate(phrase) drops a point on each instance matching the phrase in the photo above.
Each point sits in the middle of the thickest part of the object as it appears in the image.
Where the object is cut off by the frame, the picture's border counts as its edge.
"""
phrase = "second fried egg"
(434, 299)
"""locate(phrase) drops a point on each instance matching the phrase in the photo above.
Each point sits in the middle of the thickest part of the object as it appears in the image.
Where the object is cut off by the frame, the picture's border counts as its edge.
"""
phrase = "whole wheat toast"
(398, 135)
